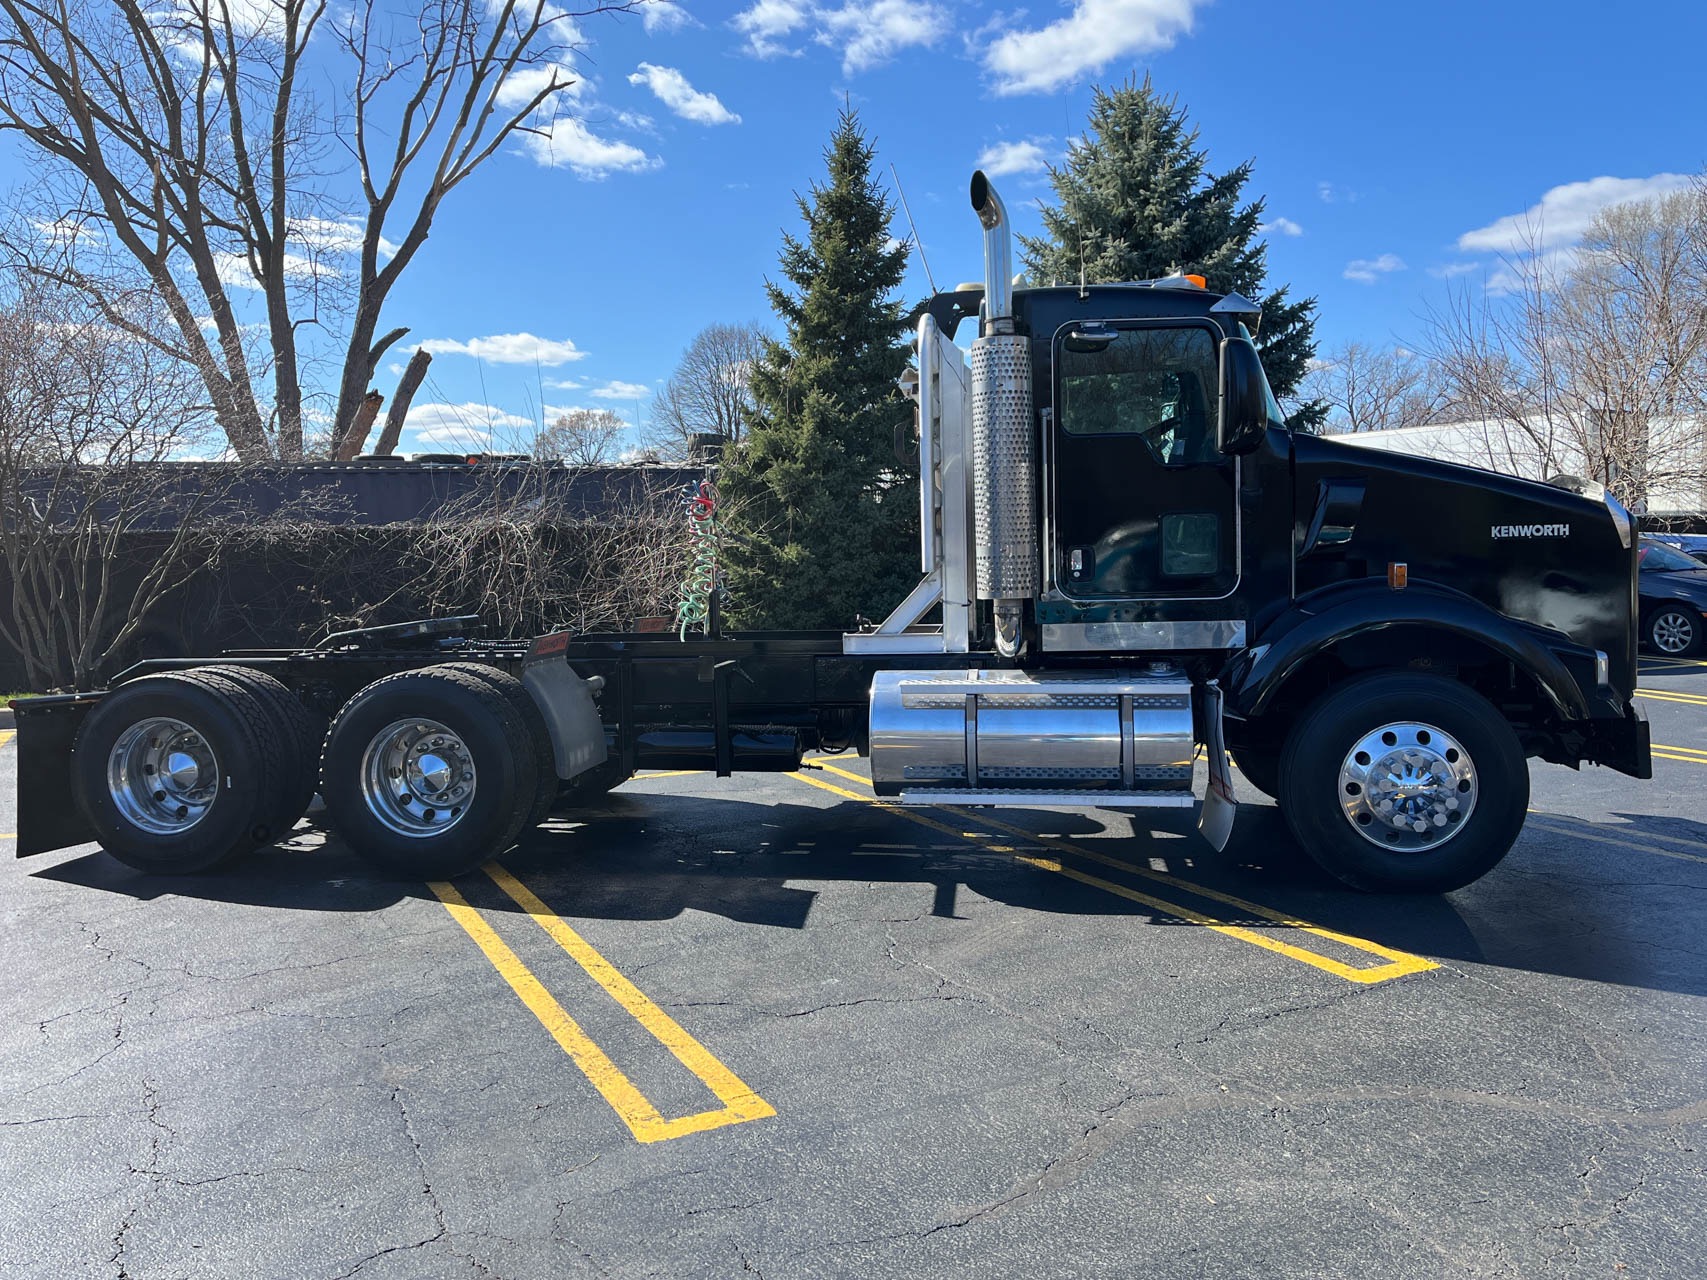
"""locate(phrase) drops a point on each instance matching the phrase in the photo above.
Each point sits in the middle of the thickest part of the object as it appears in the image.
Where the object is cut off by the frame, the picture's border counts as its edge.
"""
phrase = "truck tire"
(1674, 631)
(300, 730)
(1404, 784)
(177, 773)
(545, 759)
(428, 773)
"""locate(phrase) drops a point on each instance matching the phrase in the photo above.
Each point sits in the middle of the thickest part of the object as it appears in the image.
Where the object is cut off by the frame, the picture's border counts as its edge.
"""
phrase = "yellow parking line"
(1666, 695)
(1398, 963)
(739, 1102)
(643, 1119)
(672, 773)
(1635, 846)
(6, 736)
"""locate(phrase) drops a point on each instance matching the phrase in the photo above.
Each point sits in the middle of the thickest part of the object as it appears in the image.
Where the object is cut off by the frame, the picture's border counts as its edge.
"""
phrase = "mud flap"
(1220, 804)
(48, 819)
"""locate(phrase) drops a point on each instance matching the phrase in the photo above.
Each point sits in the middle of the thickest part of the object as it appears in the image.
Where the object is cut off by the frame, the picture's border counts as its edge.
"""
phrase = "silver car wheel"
(162, 776)
(1673, 631)
(1408, 787)
(418, 777)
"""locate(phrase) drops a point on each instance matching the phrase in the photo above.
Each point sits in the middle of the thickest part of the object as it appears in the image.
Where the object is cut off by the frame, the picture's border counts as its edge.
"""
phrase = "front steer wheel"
(429, 773)
(1404, 784)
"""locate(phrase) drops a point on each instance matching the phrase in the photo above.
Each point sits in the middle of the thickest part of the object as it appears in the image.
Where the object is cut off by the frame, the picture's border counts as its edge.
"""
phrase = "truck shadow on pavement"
(1571, 900)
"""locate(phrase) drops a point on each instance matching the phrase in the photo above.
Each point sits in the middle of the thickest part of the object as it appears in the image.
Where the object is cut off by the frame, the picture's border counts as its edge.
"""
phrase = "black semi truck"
(1126, 559)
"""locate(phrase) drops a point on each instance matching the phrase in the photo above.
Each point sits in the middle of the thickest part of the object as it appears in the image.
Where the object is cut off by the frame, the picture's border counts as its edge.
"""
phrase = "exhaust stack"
(1004, 464)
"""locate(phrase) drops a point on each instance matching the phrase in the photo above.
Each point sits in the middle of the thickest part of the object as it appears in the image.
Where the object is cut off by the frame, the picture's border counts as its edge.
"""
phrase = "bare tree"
(1592, 361)
(182, 150)
(94, 532)
(525, 556)
(707, 394)
(580, 438)
(1373, 389)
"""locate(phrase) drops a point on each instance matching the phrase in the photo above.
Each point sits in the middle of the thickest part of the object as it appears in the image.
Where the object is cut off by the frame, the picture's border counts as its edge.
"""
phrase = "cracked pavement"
(294, 1068)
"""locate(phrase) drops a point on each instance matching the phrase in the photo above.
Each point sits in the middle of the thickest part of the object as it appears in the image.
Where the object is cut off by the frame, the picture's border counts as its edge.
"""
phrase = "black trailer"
(1127, 560)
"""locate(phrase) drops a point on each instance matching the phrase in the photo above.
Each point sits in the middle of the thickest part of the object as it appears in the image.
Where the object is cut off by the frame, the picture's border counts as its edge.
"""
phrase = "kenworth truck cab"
(1127, 560)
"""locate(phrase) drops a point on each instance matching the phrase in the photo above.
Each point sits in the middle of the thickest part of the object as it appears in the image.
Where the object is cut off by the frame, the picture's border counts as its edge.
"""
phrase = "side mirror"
(1245, 398)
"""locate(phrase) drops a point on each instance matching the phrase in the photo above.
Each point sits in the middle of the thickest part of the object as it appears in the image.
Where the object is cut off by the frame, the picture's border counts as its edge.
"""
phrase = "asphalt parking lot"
(768, 1026)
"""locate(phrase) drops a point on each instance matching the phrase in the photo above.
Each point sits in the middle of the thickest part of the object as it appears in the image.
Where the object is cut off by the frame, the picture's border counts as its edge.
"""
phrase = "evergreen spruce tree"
(822, 522)
(1137, 202)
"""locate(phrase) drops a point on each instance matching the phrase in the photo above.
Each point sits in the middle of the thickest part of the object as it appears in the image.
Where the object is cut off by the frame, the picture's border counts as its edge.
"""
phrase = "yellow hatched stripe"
(643, 1119)
(740, 1103)
(1399, 963)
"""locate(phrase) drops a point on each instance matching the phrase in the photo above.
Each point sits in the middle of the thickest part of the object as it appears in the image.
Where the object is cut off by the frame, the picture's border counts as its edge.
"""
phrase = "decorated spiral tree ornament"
(699, 585)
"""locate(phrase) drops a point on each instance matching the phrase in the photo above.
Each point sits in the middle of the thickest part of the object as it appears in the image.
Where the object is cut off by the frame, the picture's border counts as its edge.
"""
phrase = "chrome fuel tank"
(996, 732)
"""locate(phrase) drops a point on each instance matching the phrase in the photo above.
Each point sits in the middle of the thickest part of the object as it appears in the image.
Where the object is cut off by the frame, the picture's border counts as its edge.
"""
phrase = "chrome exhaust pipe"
(1004, 466)
(998, 256)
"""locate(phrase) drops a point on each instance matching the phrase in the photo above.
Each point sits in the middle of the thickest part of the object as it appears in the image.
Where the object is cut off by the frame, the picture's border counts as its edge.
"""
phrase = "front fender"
(1310, 627)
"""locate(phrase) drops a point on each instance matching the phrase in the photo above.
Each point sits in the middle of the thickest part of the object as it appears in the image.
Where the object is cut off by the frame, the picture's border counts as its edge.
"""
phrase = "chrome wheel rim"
(417, 777)
(1673, 632)
(1408, 787)
(162, 776)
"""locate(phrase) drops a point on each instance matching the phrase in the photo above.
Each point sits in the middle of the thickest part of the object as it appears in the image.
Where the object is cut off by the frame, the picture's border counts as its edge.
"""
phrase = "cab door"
(1143, 505)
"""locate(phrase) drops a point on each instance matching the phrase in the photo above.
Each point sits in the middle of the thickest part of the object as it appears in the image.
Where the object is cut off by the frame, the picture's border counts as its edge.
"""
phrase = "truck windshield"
(1158, 384)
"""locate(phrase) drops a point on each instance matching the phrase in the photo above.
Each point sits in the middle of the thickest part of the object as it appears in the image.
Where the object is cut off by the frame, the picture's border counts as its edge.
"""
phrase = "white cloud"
(664, 16)
(1094, 34)
(871, 32)
(564, 384)
(671, 88)
(235, 273)
(457, 427)
(1280, 227)
(1369, 270)
(1564, 213)
(570, 144)
(334, 235)
(1332, 194)
(868, 32)
(621, 391)
(767, 22)
(64, 232)
(1004, 158)
(509, 348)
(1447, 270)
(524, 84)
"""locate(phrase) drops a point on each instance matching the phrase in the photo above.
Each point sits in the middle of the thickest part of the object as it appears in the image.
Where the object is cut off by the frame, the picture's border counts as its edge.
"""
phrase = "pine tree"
(822, 522)
(1137, 202)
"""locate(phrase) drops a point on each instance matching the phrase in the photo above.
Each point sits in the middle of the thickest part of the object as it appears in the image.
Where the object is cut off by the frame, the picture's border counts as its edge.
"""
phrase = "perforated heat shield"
(1004, 468)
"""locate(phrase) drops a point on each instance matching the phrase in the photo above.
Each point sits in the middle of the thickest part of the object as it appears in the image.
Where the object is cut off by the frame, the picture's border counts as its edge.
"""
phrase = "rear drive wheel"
(1675, 631)
(175, 773)
(1404, 784)
(300, 732)
(521, 701)
(428, 773)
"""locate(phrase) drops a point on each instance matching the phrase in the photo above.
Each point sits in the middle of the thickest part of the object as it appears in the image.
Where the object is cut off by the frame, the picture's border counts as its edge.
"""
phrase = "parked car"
(1691, 544)
(1673, 588)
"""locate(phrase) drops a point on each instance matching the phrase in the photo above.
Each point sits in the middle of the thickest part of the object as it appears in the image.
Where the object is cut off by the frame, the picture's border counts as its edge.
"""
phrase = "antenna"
(917, 243)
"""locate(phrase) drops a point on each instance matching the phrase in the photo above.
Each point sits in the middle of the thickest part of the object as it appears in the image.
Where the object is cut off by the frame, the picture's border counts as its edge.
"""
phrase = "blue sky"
(1397, 144)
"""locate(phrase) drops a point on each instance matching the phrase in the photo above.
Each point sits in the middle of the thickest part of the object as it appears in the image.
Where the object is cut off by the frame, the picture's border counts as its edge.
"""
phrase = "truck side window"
(1161, 385)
